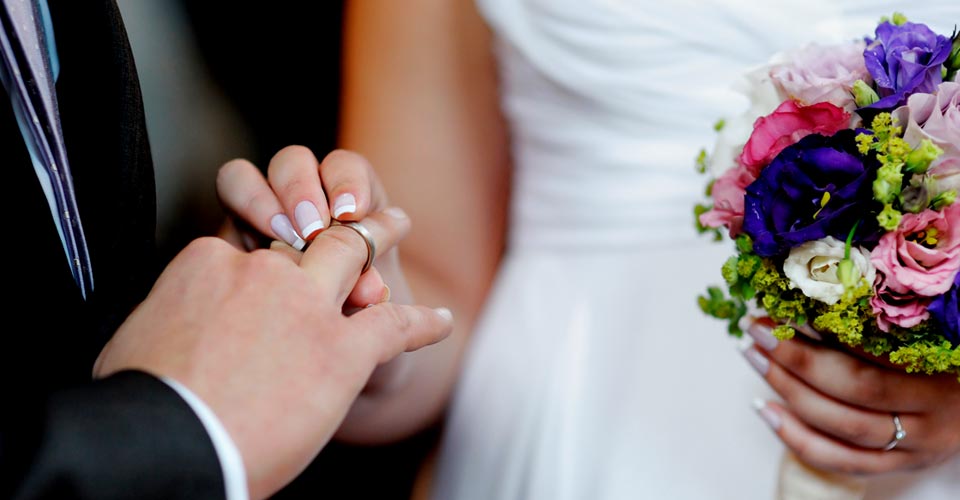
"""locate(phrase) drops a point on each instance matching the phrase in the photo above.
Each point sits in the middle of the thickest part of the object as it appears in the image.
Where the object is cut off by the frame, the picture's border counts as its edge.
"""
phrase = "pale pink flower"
(892, 308)
(818, 73)
(923, 255)
(935, 117)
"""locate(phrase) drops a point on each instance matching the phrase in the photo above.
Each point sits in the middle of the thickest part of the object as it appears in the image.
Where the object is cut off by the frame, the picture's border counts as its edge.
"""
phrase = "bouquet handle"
(798, 481)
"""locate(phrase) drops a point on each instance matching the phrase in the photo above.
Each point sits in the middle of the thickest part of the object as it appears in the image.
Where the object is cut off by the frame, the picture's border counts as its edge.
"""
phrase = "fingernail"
(758, 361)
(386, 294)
(308, 218)
(446, 313)
(344, 204)
(771, 417)
(396, 213)
(283, 229)
(762, 335)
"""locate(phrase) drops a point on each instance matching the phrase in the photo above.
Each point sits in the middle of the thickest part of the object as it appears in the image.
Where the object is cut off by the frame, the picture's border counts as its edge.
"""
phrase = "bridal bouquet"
(839, 189)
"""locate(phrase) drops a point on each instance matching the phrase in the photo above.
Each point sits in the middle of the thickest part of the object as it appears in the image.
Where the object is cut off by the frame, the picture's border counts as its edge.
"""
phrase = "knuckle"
(345, 158)
(799, 360)
(343, 242)
(398, 317)
(866, 387)
(261, 201)
(237, 166)
(803, 450)
(294, 153)
(208, 246)
(857, 432)
(265, 260)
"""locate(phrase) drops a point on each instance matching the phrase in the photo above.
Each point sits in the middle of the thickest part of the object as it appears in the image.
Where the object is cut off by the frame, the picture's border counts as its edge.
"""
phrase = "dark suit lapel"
(106, 142)
(105, 134)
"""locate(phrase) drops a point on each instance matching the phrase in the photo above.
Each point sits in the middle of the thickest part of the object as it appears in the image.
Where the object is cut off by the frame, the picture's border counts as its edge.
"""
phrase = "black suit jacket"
(61, 434)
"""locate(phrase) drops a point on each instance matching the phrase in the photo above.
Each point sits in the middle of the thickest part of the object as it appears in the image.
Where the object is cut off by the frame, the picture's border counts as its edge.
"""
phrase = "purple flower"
(945, 309)
(820, 186)
(904, 60)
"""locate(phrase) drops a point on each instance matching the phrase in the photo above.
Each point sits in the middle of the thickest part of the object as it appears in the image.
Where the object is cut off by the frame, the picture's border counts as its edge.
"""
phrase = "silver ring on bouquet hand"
(898, 434)
(367, 238)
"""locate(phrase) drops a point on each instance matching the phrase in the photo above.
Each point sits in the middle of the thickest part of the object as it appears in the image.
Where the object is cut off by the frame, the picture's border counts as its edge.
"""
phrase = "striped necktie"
(28, 70)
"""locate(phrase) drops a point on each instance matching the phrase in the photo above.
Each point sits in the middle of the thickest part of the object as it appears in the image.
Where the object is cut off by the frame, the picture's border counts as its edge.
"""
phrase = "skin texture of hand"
(838, 407)
(261, 338)
(346, 187)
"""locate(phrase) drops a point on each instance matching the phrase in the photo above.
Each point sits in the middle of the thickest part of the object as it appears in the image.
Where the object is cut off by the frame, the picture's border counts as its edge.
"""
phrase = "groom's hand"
(260, 337)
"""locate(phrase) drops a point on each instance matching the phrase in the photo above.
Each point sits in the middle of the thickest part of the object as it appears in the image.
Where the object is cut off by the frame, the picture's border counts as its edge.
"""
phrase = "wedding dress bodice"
(610, 101)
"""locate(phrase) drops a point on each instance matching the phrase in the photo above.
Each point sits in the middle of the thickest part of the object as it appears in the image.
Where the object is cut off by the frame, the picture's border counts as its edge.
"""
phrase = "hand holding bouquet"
(842, 200)
(839, 189)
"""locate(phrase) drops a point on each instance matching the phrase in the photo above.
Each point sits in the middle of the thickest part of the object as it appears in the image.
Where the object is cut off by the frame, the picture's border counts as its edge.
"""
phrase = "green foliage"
(701, 161)
(750, 277)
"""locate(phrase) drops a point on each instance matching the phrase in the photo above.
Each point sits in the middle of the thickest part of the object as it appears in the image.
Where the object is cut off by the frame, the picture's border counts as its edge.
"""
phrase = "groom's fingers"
(822, 452)
(294, 176)
(338, 254)
(392, 329)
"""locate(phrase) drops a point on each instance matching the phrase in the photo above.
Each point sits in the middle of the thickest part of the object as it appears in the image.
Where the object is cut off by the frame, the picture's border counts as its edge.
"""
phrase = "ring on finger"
(898, 433)
(367, 238)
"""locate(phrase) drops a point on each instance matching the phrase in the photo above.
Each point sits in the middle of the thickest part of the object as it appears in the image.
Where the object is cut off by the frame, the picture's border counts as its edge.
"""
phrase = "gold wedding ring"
(367, 238)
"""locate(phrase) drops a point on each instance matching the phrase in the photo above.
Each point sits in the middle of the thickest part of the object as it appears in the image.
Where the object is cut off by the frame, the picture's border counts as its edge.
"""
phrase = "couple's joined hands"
(838, 407)
(261, 336)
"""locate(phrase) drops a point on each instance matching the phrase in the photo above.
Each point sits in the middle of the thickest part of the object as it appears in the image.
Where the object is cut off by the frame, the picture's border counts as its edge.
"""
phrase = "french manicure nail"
(763, 335)
(768, 414)
(283, 229)
(346, 203)
(446, 313)
(308, 218)
(758, 361)
(396, 213)
(386, 294)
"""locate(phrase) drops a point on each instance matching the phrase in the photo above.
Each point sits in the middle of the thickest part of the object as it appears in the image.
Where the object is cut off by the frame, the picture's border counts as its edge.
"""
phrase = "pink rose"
(935, 117)
(789, 123)
(728, 191)
(819, 73)
(892, 308)
(923, 255)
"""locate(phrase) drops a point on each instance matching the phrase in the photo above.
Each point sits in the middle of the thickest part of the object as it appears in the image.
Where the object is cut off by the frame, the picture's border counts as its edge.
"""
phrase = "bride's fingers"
(849, 424)
(294, 176)
(847, 378)
(825, 453)
(347, 178)
(244, 192)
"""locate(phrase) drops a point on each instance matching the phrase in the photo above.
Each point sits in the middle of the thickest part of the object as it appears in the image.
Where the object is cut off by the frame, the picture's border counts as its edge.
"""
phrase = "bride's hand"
(838, 409)
(299, 198)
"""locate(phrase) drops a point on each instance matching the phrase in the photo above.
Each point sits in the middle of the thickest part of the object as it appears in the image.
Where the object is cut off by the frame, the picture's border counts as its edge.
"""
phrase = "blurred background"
(226, 79)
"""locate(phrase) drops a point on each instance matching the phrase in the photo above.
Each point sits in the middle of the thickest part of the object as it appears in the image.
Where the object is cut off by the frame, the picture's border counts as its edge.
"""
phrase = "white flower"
(812, 267)
(757, 86)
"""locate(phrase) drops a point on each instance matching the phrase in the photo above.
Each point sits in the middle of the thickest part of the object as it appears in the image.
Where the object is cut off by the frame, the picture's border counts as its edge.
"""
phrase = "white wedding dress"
(592, 374)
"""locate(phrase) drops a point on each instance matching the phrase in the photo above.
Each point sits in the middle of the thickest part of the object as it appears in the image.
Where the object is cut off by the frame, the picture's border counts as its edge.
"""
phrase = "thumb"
(390, 329)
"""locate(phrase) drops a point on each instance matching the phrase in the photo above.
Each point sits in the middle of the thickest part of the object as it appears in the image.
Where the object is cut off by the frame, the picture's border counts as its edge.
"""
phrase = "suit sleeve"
(127, 436)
